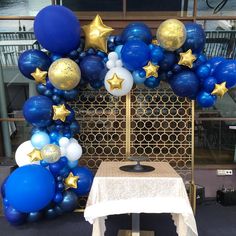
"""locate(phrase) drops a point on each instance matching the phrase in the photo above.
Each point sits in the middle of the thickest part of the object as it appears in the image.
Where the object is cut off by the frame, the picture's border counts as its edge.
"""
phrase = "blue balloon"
(34, 216)
(185, 84)
(73, 55)
(48, 93)
(152, 82)
(44, 163)
(40, 139)
(135, 54)
(226, 72)
(69, 201)
(137, 78)
(37, 111)
(209, 84)
(60, 186)
(205, 99)
(137, 31)
(30, 188)
(57, 99)
(91, 67)
(74, 127)
(157, 54)
(200, 60)
(58, 197)
(57, 29)
(55, 136)
(49, 84)
(3, 188)
(14, 217)
(41, 88)
(72, 164)
(56, 167)
(203, 71)
(168, 61)
(214, 62)
(70, 94)
(195, 38)
(118, 50)
(177, 68)
(50, 213)
(30, 60)
(85, 180)
(55, 57)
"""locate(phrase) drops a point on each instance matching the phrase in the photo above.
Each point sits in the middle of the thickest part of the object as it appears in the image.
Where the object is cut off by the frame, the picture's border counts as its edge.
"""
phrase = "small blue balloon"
(118, 50)
(48, 93)
(34, 216)
(56, 99)
(56, 167)
(152, 82)
(73, 55)
(69, 201)
(57, 29)
(50, 213)
(185, 84)
(30, 60)
(157, 54)
(60, 186)
(200, 60)
(14, 217)
(41, 88)
(55, 136)
(64, 172)
(177, 68)
(137, 78)
(195, 38)
(73, 164)
(40, 139)
(137, 31)
(168, 61)
(49, 84)
(135, 54)
(203, 71)
(74, 127)
(205, 99)
(37, 111)
(55, 57)
(209, 84)
(70, 95)
(58, 197)
(30, 188)
(226, 72)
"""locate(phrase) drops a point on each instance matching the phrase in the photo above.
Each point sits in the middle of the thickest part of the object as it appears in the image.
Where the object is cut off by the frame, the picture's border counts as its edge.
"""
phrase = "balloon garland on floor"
(49, 181)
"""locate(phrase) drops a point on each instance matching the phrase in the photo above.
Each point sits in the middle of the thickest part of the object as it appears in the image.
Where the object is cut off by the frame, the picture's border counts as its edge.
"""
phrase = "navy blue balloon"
(14, 217)
(30, 60)
(203, 71)
(152, 82)
(135, 54)
(69, 201)
(50, 213)
(70, 94)
(48, 93)
(74, 127)
(57, 29)
(226, 72)
(30, 188)
(209, 84)
(195, 38)
(157, 54)
(49, 84)
(214, 62)
(56, 99)
(205, 99)
(91, 67)
(168, 61)
(56, 167)
(58, 197)
(85, 180)
(37, 111)
(41, 88)
(185, 84)
(55, 57)
(138, 31)
(34, 216)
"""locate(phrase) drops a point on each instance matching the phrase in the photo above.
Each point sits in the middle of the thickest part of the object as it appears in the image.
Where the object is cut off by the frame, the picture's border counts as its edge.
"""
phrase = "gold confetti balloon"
(64, 74)
(50, 153)
(171, 34)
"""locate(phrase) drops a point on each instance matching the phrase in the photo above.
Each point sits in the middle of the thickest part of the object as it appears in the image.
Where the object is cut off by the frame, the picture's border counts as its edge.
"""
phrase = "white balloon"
(119, 63)
(126, 85)
(21, 155)
(110, 64)
(63, 142)
(113, 56)
(73, 140)
(63, 151)
(73, 151)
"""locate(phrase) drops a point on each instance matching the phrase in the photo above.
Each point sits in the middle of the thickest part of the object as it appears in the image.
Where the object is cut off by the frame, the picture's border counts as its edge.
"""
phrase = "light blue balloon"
(40, 139)
(72, 164)
(118, 50)
(137, 78)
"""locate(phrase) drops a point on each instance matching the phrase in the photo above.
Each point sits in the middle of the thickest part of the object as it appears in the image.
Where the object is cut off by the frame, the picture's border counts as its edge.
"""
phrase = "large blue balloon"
(185, 84)
(138, 31)
(14, 217)
(92, 67)
(135, 54)
(32, 59)
(85, 180)
(37, 110)
(209, 84)
(30, 188)
(214, 62)
(205, 99)
(195, 37)
(226, 72)
(57, 29)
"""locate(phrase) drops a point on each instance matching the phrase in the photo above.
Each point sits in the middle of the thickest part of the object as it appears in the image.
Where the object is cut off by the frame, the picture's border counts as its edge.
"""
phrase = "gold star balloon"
(39, 76)
(115, 82)
(151, 70)
(96, 34)
(71, 181)
(60, 112)
(220, 89)
(187, 58)
(35, 155)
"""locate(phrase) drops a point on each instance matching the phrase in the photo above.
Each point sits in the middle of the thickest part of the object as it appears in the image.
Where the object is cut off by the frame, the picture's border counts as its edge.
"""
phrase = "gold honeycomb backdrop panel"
(154, 123)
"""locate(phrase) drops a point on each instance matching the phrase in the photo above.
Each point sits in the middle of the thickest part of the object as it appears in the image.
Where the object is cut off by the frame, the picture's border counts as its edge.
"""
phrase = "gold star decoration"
(60, 112)
(115, 82)
(71, 181)
(35, 155)
(39, 76)
(151, 70)
(96, 34)
(220, 89)
(187, 58)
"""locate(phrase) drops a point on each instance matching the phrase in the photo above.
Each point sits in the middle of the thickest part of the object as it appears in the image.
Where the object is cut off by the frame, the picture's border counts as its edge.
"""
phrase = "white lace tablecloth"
(118, 192)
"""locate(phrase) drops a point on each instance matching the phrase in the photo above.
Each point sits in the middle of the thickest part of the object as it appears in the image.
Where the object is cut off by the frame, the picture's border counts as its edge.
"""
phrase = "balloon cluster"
(49, 180)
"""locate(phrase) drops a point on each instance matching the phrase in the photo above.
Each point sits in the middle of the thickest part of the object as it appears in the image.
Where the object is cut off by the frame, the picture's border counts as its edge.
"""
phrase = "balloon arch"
(49, 180)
